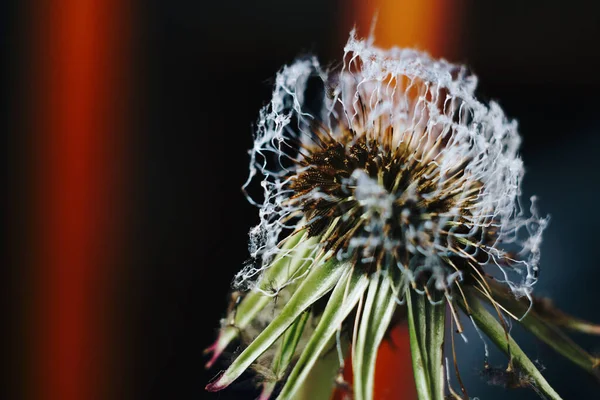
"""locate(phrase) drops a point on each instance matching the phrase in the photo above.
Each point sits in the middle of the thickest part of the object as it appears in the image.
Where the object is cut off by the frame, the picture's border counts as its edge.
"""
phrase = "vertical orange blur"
(78, 70)
(393, 372)
(428, 25)
(433, 26)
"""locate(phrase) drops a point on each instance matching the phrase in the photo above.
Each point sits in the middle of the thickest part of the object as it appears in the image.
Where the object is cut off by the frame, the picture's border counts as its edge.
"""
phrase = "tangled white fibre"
(430, 107)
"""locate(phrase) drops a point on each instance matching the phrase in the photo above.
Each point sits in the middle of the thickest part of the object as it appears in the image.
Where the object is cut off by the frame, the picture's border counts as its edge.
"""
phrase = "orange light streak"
(429, 25)
(78, 58)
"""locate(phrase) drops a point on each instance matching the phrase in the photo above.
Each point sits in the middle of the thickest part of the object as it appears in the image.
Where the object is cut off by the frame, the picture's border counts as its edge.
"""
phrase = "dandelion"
(389, 191)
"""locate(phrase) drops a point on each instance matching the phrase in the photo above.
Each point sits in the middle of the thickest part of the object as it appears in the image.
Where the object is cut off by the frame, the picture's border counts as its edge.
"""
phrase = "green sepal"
(377, 312)
(285, 354)
(321, 379)
(319, 281)
(490, 325)
(292, 260)
(343, 300)
(543, 327)
(426, 323)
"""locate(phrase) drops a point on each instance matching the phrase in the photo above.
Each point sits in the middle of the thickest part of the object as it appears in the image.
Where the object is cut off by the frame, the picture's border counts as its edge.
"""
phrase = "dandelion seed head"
(394, 164)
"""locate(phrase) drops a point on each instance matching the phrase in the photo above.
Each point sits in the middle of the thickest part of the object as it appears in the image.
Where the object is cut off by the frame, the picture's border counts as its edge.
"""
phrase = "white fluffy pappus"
(424, 109)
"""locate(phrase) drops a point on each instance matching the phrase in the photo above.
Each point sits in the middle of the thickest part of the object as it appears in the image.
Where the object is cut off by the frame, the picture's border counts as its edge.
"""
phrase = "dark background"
(202, 71)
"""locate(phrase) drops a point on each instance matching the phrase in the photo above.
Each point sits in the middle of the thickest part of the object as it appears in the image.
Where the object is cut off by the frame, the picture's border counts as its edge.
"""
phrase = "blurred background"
(128, 128)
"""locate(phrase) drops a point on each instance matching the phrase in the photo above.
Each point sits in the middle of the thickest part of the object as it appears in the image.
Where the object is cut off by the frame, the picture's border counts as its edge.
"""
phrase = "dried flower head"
(386, 184)
(402, 167)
